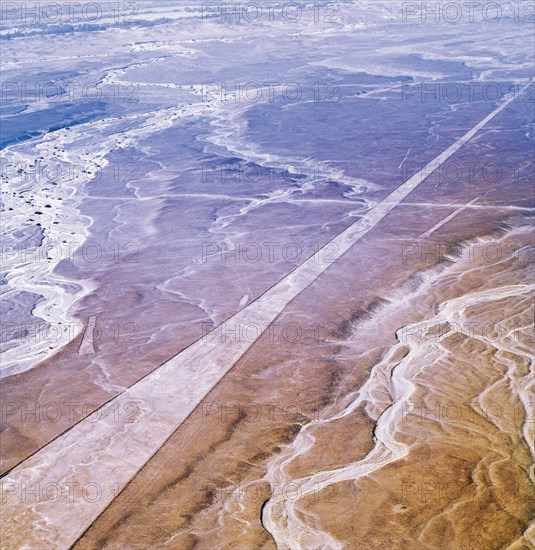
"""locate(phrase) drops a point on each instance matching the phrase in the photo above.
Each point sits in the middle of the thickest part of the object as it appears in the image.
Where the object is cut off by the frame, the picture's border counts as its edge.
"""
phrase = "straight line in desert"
(52, 497)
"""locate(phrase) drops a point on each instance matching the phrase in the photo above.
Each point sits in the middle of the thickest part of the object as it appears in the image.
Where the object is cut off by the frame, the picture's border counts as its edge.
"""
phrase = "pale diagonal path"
(98, 456)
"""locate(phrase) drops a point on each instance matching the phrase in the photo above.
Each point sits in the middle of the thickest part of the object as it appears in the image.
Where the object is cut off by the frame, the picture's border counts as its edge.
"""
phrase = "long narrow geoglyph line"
(80, 472)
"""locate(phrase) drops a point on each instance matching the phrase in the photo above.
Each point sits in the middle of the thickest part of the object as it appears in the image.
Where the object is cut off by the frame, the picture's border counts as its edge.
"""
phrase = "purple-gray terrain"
(267, 275)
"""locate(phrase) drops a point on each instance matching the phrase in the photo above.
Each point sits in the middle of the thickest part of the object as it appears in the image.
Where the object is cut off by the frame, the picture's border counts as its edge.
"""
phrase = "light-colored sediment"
(117, 449)
(59, 181)
(424, 369)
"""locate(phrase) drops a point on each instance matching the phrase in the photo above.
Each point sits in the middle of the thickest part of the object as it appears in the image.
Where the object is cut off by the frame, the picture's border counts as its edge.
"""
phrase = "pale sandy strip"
(105, 450)
(87, 346)
(448, 218)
